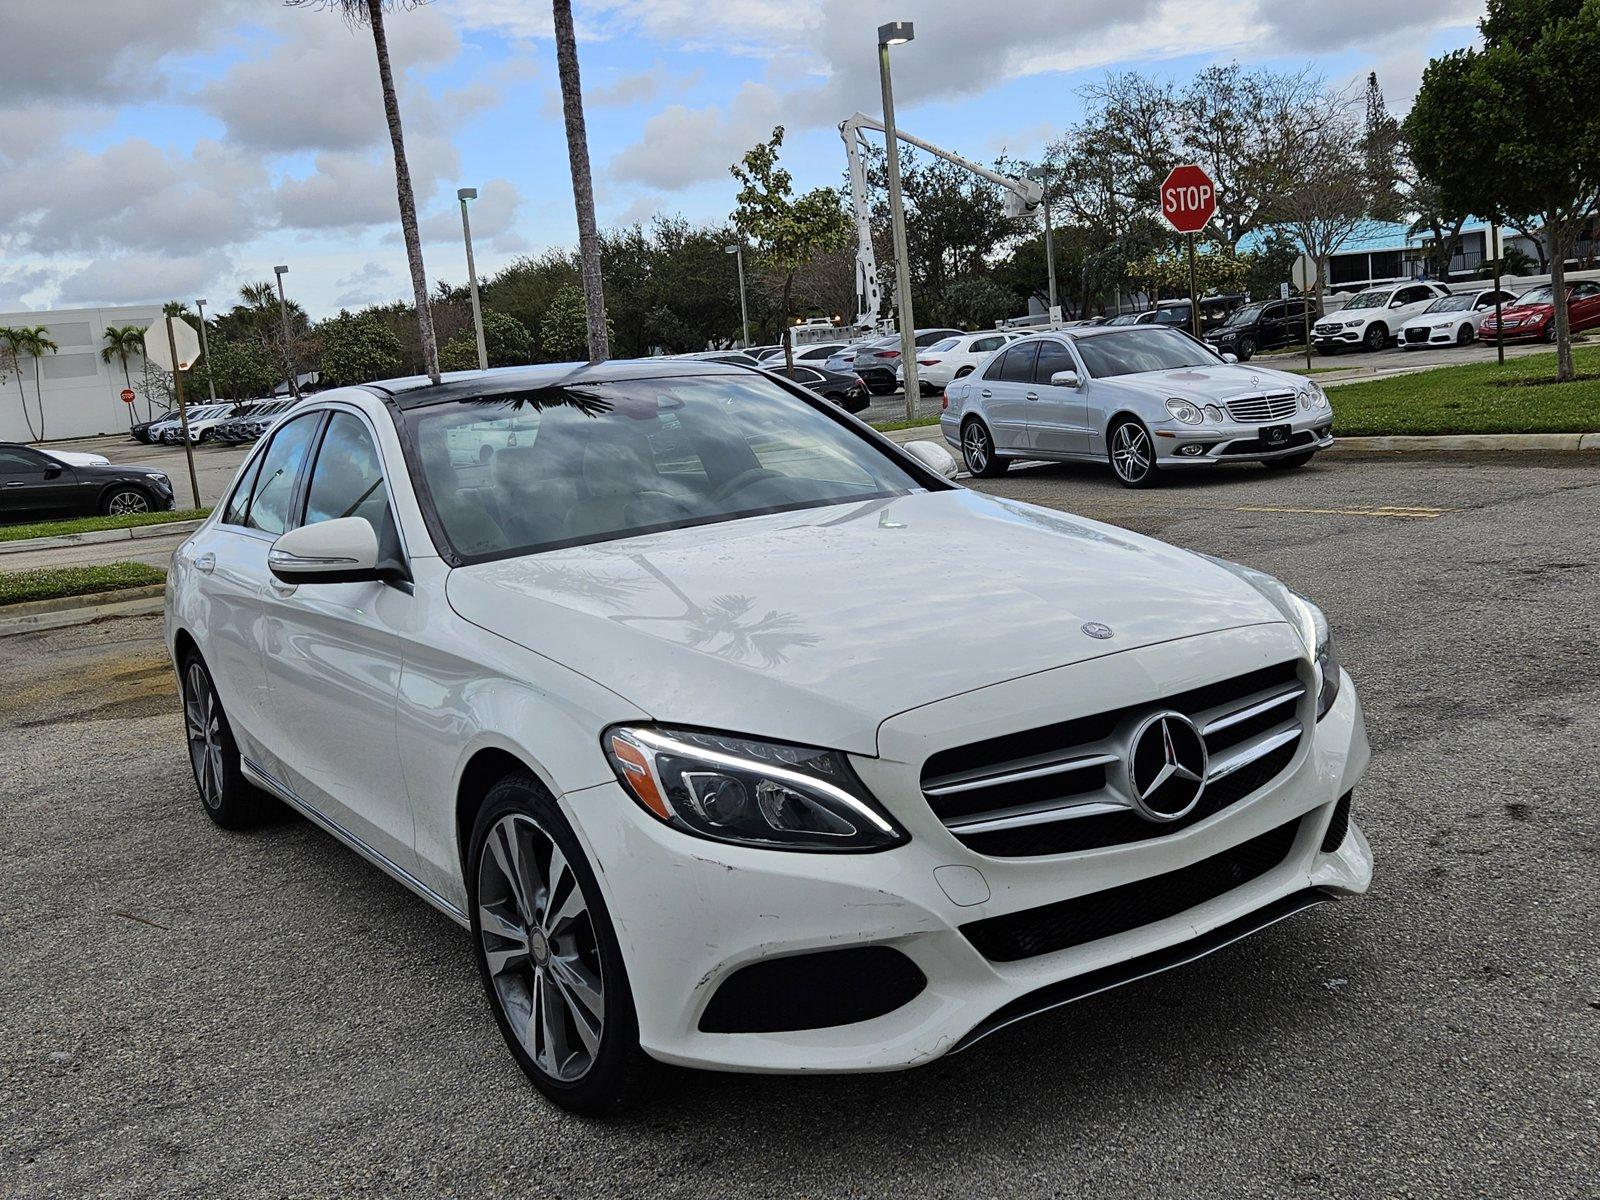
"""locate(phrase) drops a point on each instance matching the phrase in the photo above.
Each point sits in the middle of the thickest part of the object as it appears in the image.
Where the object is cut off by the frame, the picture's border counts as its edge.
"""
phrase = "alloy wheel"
(1130, 451)
(125, 502)
(975, 445)
(539, 944)
(202, 723)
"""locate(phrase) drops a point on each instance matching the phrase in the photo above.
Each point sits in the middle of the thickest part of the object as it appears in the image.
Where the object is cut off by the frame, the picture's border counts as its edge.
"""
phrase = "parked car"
(76, 458)
(647, 707)
(1533, 314)
(141, 432)
(34, 485)
(1373, 317)
(1142, 400)
(844, 388)
(1266, 325)
(1452, 320)
(845, 358)
(953, 357)
(1138, 318)
(1214, 310)
(169, 430)
(814, 354)
(738, 358)
(878, 364)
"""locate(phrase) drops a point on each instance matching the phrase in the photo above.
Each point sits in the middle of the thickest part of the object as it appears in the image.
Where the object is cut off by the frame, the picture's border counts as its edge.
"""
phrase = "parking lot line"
(1404, 511)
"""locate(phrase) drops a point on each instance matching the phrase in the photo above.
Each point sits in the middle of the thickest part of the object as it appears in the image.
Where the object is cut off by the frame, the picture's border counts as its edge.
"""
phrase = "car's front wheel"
(1549, 334)
(549, 957)
(1377, 337)
(1464, 335)
(1132, 452)
(124, 502)
(229, 798)
(977, 450)
(1246, 349)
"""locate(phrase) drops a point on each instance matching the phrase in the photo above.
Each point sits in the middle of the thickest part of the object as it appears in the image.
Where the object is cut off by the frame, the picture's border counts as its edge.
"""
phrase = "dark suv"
(1263, 326)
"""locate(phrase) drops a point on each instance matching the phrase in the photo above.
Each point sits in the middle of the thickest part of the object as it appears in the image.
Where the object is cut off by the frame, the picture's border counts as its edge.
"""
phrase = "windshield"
(1539, 295)
(1451, 304)
(1124, 319)
(559, 467)
(1248, 315)
(1111, 354)
(1375, 298)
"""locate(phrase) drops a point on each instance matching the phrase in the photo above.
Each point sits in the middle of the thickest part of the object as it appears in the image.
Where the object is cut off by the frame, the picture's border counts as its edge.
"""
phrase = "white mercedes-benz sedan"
(1143, 400)
(673, 685)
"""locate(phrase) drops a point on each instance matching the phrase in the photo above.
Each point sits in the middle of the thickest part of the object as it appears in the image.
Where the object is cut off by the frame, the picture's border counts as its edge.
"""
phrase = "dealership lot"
(191, 1012)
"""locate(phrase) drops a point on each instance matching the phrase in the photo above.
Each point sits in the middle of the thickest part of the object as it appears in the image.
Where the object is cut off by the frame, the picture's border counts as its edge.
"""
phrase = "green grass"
(919, 423)
(12, 533)
(48, 583)
(1466, 399)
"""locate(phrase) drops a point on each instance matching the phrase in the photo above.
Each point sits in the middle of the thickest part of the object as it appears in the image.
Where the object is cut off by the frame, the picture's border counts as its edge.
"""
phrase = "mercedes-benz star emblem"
(1096, 630)
(1166, 767)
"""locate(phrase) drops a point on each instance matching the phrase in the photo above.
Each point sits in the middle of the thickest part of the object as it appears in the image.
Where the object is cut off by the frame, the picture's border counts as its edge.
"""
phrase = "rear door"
(1002, 393)
(1058, 417)
(1583, 309)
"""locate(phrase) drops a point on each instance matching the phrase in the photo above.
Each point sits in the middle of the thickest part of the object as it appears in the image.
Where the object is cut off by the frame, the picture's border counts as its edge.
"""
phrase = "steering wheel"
(743, 479)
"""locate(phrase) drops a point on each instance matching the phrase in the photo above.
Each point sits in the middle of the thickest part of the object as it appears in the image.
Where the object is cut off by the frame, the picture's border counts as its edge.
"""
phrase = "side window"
(1585, 291)
(14, 460)
(347, 480)
(984, 345)
(1019, 362)
(1053, 357)
(239, 502)
(273, 492)
(996, 369)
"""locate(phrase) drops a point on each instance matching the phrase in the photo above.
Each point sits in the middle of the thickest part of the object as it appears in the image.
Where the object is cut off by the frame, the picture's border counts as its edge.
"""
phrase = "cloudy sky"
(151, 149)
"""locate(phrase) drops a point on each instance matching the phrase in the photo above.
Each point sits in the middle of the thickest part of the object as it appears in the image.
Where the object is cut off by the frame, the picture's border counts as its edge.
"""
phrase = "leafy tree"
(239, 370)
(1324, 201)
(564, 332)
(370, 13)
(11, 342)
(1381, 143)
(359, 350)
(505, 338)
(1270, 265)
(123, 342)
(1533, 82)
(788, 231)
(976, 301)
(1165, 272)
(1514, 260)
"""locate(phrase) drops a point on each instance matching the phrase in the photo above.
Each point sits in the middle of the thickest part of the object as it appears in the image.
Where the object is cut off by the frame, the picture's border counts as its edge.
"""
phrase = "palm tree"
(370, 13)
(11, 340)
(35, 341)
(594, 297)
(122, 341)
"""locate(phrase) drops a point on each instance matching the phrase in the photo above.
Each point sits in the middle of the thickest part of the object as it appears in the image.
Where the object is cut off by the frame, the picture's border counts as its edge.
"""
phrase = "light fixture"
(896, 33)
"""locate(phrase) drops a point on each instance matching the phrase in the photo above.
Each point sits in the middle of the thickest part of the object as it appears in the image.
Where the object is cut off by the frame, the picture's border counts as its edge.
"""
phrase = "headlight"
(159, 476)
(1213, 413)
(1312, 396)
(754, 793)
(1354, 324)
(1308, 621)
(1184, 411)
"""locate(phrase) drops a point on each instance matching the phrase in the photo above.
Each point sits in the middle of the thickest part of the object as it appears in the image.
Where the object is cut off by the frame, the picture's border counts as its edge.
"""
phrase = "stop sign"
(1188, 199)
(127, 395)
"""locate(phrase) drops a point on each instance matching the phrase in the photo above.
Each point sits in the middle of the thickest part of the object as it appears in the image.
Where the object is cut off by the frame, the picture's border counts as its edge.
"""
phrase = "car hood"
(1225, 381)
(1525, 310)
(816, 626)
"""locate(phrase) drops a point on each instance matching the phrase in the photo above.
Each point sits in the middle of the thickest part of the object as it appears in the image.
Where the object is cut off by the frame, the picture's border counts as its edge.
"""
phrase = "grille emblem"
(1166, 767)
(1096, 630)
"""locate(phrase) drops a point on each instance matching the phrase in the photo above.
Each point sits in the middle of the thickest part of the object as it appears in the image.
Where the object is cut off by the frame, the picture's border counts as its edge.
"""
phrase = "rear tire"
(977, 451)
(558, 986)
(229, 799)
(1132, 453)
(1289, 463)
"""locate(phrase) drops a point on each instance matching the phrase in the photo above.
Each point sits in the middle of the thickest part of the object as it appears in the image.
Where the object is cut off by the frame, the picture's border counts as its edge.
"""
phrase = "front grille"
(1329, 327)
(1257, 446)
(1257, 410)
(1056, 789)
(1103, 914)
(1417, 335)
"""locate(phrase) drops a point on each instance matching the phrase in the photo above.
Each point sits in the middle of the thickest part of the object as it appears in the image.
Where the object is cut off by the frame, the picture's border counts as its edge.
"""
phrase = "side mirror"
(1229, 357)
(339, 551)
(1395, 303)
(1066, 379)
(52, 472)
(933, 456)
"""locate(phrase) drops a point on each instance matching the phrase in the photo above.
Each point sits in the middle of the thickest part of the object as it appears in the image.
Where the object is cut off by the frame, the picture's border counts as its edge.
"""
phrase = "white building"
(81, 393)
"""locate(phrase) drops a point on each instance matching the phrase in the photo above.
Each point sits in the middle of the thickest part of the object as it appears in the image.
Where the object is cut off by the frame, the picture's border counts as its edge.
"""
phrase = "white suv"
(1373, 318)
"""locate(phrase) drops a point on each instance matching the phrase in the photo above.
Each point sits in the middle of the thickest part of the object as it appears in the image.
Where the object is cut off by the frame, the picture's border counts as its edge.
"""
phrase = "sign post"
(175, 349)
(1499, 325)
(1188, 202)
(1304, 274)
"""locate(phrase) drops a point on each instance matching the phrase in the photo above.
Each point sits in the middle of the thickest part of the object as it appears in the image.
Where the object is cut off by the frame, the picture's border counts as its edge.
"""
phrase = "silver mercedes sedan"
(1142, 399)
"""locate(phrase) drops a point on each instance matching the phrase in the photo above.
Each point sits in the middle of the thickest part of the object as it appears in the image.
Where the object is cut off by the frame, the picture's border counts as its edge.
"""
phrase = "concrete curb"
(1388, 443)
(130, 533)
(80, 610)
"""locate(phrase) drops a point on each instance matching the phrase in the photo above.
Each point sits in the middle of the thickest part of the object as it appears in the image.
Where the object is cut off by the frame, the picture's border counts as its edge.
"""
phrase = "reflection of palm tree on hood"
(769, 637)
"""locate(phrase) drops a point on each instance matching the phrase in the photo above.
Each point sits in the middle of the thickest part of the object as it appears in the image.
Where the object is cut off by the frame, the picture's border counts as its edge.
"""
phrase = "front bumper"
(691, 913)
(1179, 445)
(1444, 336)
(1337, 337)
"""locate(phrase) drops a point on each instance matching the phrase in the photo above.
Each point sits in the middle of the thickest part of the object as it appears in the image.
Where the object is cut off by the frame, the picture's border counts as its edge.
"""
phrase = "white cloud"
(145, 278)
(1321, 27)
(680, 146)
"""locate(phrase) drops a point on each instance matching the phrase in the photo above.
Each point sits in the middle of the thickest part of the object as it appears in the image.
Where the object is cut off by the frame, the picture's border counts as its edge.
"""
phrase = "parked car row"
(229, 421)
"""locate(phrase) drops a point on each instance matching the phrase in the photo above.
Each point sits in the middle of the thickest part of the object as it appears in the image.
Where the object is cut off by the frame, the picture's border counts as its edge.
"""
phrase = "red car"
(1533, 315)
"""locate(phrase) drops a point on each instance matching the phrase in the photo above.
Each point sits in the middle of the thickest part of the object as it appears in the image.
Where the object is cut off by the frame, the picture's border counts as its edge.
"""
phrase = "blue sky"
(151, 149)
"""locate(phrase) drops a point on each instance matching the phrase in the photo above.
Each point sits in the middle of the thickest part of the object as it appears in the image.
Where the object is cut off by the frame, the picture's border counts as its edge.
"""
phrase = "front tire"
(125, 502)
(1548, 337)
(1246, 349)
(1377, 338)
(549, 957)
(227, 796)
(977, 450)
(1132, 453)
(1465, 336)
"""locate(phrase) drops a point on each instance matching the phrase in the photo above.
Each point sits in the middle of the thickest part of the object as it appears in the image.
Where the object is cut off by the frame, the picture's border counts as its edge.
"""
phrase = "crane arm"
(1023, 197)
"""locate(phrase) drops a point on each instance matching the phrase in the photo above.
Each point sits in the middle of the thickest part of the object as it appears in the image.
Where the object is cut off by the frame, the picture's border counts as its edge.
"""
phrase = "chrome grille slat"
(1224, 717)
(1247, 752)
(1015, 772)
(1020, 817)
(1254, 410)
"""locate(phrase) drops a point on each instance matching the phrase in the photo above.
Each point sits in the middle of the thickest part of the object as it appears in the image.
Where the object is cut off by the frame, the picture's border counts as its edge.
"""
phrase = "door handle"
(19, 483)
(986, 393)
(206, 562)
(1033, 395)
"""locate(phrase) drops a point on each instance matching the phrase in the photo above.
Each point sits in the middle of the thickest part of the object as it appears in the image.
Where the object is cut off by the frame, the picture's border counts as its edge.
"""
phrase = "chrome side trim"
(1246, 753)
(968, 781)
(1217, 719)
(261, 777)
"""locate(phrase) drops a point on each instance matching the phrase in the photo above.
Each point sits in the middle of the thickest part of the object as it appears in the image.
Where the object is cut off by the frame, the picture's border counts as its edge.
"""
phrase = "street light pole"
(205, 352)
(463, 195)
(1043, 176)
(897, 33)
(283, 311)
(737, 250)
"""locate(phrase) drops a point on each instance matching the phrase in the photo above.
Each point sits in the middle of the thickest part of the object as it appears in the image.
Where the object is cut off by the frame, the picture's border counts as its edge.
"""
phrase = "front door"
(333, 659)
(1058, 418)
(32, 483)
(1003, 395)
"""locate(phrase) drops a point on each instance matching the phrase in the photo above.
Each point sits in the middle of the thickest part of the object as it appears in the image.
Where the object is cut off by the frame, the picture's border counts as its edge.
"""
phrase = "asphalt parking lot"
(188, 1012)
